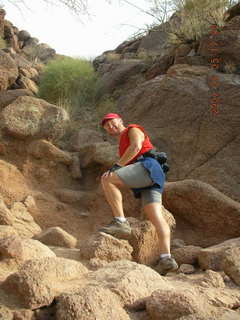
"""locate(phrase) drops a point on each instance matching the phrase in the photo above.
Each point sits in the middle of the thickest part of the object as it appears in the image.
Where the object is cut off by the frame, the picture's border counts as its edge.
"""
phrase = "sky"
(108, 26)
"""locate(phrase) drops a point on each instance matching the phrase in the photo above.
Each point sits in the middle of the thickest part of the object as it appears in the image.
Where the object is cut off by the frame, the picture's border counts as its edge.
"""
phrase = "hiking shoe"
(118, 229)
(166, 265)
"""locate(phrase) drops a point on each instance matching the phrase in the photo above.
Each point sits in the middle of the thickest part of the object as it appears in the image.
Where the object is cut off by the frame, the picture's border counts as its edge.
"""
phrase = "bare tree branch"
(79, 7)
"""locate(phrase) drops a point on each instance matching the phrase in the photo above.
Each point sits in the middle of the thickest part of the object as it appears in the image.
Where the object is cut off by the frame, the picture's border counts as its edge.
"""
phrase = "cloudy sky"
(108, 26)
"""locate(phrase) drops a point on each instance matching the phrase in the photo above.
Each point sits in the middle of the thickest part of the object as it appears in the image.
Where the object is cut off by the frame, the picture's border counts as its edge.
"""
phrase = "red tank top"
(125, 142)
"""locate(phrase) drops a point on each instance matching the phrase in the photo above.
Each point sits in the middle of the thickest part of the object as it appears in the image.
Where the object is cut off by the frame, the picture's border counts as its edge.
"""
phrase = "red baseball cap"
(110, 116)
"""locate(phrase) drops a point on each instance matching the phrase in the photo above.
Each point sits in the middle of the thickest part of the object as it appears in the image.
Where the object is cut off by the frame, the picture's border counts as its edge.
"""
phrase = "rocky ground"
(54, 264)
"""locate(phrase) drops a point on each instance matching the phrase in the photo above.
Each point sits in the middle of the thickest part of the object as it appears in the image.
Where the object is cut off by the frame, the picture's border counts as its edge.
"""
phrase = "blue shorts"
(136, 176)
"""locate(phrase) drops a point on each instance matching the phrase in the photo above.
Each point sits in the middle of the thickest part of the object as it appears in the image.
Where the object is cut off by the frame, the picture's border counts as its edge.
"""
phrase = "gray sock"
(121, 219)
(165, 255)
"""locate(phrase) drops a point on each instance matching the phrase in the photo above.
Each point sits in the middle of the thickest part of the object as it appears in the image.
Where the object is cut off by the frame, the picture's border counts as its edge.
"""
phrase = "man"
(144, 175)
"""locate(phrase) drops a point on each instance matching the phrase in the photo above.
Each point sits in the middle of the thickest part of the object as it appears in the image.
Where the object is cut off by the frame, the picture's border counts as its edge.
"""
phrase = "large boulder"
(56, 236)
(38, 52)
(22, 250)
(30, 73)
(213, 257)
(102, 153)
(199, 297)
(84, 137)
(67, 253)
(22, 63)
(129, 280)
(45, 52)
(75, 196)
(19, 218)
(8, 71)
(24, 82)
(10, 247)
(23, 222)
(23, 35)
(211, 279)
(156, 42)
(10, 36)
(186, 254)
(128, 46)
(38, 281)
(42, 149)
(13, 186)
(205, 209)
(159, 66)
(119, 73)
(8, 96)
(173, 304)
(90, 303)
(33, 249)
(32, 42)
(29, 117)
(186, 268)
(105, 247)
(200, 144)
(231, 264)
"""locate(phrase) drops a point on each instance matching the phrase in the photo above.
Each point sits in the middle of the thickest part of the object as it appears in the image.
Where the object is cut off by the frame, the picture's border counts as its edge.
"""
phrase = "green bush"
(2, 43)
(70, 83)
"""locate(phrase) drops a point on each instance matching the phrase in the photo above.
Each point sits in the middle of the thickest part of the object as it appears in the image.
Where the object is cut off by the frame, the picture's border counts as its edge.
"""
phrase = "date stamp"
(214, 82)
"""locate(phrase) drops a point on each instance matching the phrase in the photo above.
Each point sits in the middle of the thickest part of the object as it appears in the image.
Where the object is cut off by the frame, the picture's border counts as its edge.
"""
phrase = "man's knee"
(106, 180)
(111, 179)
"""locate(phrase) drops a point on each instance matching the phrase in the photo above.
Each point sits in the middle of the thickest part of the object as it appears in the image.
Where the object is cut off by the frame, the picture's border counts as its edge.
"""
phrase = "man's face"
(113, 126)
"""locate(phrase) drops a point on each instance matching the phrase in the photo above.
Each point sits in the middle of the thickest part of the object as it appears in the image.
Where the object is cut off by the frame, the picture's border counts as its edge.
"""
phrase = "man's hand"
(115, 167)
(112, 169)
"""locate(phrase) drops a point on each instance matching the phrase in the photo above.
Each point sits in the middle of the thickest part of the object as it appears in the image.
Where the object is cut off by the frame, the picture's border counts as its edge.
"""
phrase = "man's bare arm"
(136, 137)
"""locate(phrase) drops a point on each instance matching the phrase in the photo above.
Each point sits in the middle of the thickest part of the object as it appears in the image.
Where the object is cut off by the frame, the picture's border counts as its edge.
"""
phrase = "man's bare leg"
(119, 227)
(154, 214)
(113, 194)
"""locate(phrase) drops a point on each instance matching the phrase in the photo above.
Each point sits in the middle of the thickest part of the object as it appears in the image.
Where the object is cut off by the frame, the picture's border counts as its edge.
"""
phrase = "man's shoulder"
(133, 125)
(136, 126)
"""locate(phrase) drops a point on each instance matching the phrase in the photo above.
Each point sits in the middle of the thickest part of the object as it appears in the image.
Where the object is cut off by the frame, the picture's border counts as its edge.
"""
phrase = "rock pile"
(20, 61)
(54, 264)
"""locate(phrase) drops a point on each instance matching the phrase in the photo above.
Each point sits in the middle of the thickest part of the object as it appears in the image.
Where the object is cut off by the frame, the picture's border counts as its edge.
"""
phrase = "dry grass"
(196, 17)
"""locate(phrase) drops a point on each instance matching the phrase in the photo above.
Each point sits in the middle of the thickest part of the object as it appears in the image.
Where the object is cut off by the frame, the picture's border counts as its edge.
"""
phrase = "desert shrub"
(70, 83)
(195, 18)
(2, 43)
